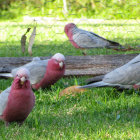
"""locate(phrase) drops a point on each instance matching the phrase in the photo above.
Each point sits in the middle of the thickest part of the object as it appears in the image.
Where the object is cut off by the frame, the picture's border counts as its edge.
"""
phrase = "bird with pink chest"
(55, 70)
(43, 73)
(82, 39)
(17, 101)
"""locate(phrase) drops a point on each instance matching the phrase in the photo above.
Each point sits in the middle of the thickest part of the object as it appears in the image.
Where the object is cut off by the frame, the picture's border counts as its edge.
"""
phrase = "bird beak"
(23, 79)
(61, 64)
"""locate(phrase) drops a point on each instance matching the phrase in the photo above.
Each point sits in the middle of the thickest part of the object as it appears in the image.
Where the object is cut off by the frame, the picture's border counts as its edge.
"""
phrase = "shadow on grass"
(48, 48)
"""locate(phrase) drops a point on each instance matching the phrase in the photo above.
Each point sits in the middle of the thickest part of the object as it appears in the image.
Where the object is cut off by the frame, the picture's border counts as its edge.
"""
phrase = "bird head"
(58, 61)
(68, 27)
(23, 75)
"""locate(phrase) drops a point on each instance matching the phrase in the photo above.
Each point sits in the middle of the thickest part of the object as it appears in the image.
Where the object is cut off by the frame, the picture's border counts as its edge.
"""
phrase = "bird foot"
(6, 124)
(20, 123)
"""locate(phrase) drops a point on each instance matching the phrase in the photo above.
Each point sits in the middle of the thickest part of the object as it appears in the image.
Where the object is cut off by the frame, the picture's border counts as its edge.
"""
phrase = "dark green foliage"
(110, 9)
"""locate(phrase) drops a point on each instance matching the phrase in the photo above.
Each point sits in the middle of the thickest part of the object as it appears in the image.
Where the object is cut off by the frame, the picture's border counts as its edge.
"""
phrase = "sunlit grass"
(51, 38)
(101, 113)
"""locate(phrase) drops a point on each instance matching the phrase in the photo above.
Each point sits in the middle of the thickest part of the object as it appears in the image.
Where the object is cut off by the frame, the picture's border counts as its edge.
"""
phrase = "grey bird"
(87, 40)
(37, 68)
(124, 77)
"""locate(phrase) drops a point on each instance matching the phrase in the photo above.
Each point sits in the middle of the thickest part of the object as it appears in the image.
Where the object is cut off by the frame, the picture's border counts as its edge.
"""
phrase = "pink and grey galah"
(124, 77)
(83, 39)
(17, 101)
(44, 73)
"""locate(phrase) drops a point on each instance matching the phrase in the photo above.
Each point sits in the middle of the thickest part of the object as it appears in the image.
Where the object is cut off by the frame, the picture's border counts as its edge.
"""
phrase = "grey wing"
(85, 39)
(3, 99)
(128, 74)
(37, 70)
(28, 65)
(106, 41)
(135, 59)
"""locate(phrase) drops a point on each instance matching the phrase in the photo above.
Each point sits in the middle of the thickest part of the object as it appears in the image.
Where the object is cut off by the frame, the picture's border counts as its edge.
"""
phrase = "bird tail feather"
(95, 79)
(114, 44)
(97, 84)
(6, 75)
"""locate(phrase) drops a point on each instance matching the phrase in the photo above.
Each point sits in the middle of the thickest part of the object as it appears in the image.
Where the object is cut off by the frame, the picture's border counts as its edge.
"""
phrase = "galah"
(124, 77)
(86, 40)
(43, 72)
(17, 101)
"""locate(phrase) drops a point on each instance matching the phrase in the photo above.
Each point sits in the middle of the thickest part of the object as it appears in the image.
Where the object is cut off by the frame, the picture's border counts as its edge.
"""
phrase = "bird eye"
(17, 75)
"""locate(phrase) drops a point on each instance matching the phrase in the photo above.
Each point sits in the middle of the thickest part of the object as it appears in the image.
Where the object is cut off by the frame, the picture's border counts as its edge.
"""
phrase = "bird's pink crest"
(23, 72)
(59, 57)
(68, 27)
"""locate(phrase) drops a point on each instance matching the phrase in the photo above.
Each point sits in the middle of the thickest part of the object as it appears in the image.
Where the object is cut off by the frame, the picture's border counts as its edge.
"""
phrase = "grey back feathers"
(3, 99)
(37, 69)
(86, 39)
(125, 76)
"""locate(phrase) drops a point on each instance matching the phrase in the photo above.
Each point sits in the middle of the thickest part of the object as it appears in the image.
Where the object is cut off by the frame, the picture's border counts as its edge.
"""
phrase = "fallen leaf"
(31, 41)
(23, 40)
(71, 90)
(23, 43)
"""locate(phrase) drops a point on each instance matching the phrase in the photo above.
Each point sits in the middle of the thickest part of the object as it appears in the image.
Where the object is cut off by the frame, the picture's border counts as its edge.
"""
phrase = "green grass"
(96, 114)
(51, 38)
(101, 113)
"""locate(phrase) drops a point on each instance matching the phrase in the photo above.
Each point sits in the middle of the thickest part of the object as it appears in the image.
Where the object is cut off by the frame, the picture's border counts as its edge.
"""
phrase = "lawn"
(51, 38)
(101, 113)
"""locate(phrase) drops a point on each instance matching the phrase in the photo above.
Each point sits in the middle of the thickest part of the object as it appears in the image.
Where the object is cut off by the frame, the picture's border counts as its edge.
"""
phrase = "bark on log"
(75, 65)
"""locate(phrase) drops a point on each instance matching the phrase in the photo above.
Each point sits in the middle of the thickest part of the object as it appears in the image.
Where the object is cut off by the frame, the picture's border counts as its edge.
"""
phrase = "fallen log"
(75, 65)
